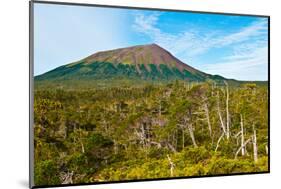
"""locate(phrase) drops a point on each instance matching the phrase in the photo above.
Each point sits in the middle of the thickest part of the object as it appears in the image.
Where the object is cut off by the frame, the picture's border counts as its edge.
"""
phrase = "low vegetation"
(149, 131)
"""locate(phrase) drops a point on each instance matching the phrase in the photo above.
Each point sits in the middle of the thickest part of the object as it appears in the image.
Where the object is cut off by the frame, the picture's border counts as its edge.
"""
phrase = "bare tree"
(221, 137)
(227, 112)
(160, 108)
(141, 135)
(66, 178)
(190, 129)
(80, 140)
(206, 109)
(182, 127)
(241, 147)
(242, 136)
(171, 147)
(206, 113)
(255, 147)
(188, 125)
(158, 144)
(172, 166)
(244, 143)
(219, 113)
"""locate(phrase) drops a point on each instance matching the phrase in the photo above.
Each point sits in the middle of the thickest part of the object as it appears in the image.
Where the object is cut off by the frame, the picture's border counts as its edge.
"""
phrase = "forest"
(147, 131)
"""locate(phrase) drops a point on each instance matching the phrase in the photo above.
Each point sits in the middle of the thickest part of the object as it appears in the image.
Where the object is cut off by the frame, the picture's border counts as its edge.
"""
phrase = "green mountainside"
(146, 62)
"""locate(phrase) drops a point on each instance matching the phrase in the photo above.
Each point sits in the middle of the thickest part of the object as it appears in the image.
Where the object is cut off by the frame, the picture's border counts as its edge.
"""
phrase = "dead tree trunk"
(158, 144)
(220, 116)
(206, 109)
(142, 135)
(227, 112)
(176, 138)
(242, 136)
(190, 129)
(218, 143)
(183, 138)
(115, 146)
(172, 166)
(241, 147)
(171, 147)
(255, 147)
(80, 140)
(67, 178)
(82, 146)
(188, 123)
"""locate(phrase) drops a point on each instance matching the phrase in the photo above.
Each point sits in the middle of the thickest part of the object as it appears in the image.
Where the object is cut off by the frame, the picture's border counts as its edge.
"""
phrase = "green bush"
(196, 155)
(226, 166)
(194, 170)
(46, 173)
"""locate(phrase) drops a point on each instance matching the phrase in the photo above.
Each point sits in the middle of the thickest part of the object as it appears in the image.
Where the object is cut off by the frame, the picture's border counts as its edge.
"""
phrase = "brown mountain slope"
(144, 62)
(140, 54)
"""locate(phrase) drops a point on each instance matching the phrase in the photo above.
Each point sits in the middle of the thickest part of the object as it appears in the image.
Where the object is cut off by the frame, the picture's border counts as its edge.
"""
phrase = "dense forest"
(149, 131)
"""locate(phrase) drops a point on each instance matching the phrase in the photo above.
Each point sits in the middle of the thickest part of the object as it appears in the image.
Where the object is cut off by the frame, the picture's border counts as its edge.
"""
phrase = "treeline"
(154, 131)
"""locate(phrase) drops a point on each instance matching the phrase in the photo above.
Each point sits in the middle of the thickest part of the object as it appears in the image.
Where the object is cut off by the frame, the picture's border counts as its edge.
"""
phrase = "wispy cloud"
(248, 60)
(248, 46)
(192, 41)
(243, 66)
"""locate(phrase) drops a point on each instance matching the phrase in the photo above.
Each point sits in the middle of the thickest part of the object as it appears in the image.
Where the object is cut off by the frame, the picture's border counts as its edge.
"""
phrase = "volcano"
(145, 62)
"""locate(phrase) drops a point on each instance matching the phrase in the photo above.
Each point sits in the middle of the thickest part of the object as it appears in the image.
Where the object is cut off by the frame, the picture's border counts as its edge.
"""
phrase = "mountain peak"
(152, 45)
(138, 55)
(149, 61)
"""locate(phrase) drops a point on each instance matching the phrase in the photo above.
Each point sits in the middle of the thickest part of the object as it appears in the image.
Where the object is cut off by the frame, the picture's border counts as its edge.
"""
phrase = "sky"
(231, 46)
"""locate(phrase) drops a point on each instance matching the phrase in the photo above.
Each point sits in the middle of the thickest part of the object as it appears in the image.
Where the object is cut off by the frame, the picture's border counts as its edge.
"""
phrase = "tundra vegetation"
(149, 131)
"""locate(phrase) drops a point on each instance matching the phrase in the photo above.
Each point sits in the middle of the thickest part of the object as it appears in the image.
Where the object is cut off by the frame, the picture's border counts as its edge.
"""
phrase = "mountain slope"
(146, 62)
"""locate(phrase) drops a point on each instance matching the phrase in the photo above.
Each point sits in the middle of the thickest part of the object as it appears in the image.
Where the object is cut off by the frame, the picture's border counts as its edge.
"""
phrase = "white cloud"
(249, 48)
(146, 24)
(254, 30)
(243, 66)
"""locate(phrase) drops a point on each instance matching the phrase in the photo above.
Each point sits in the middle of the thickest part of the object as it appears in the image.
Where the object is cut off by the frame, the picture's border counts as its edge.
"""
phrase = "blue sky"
(231, 46)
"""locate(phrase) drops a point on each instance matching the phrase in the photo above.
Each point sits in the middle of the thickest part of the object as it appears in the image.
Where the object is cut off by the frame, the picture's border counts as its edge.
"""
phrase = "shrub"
(227, 166)
(196, 155)
(45, 171)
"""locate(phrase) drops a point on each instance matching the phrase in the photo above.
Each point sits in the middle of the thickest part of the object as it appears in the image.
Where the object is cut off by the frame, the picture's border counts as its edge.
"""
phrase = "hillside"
(144, 62)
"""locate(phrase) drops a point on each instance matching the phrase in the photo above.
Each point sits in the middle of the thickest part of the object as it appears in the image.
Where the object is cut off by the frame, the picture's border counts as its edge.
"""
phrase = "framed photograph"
(122, 94)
